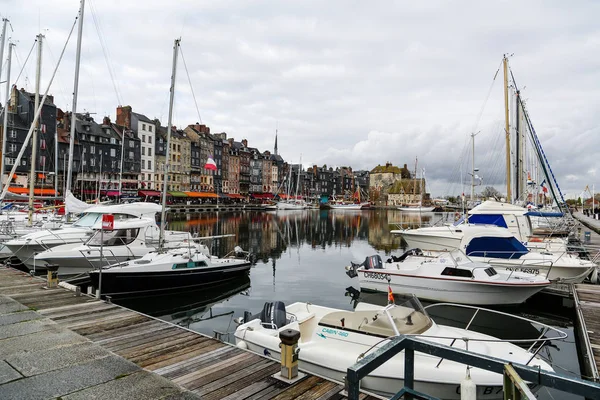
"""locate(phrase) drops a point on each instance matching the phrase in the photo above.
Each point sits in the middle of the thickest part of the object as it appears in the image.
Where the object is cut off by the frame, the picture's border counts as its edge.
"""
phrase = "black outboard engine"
(411, 252)
(273, 314)
(371, 262)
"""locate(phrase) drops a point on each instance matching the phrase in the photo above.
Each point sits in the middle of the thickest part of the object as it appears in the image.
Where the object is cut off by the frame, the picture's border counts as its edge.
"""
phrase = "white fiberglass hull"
(348, 206)
(429, 241)
(417, 209)
(329, 352)
(468, 292)
(282, 205)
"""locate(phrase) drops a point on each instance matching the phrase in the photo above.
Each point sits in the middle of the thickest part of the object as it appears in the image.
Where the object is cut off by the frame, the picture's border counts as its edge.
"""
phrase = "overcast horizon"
(344, 83)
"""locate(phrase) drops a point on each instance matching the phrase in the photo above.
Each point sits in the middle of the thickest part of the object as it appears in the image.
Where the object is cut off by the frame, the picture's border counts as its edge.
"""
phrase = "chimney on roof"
(106, 120)
(245, 142)
(230, 140)
(124, 116)
(405, 167)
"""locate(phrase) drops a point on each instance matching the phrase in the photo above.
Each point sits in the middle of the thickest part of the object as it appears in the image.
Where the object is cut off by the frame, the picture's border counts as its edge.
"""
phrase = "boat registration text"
(377, 275)
(533, 271)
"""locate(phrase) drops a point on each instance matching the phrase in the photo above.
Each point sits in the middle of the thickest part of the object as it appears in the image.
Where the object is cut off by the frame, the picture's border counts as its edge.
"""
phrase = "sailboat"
(163, 270)
(293, 203)
(344, 205)
(417, 207)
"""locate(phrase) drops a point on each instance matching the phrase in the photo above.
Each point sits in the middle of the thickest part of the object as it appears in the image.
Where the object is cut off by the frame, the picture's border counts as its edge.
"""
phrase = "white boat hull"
(468, 292)
(430, 242)
(417, 209)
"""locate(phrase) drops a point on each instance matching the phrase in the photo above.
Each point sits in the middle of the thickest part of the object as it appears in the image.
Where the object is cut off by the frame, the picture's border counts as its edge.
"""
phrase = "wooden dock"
(587, 308)
(202, 365)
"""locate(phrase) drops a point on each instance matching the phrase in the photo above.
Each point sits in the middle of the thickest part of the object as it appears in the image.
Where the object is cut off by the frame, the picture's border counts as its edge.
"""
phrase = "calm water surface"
(301, 257)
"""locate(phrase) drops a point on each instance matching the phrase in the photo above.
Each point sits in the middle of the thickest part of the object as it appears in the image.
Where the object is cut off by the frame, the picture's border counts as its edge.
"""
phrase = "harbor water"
(301, 256)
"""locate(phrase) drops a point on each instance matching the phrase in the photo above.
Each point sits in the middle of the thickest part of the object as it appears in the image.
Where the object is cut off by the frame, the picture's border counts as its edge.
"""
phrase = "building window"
(13, 134)
(12, 148)
(143, 138)
(143, 151)
(113, 140)
(143, 164)
(150, 130)
(143, 127)
(9, 161)
(92, 162)
(131, 144)
(113, 152)
(42, 161)
(149, 164)
(92, 149)
(43, 144)
(131, 155)
(149, 151)
(150, 137)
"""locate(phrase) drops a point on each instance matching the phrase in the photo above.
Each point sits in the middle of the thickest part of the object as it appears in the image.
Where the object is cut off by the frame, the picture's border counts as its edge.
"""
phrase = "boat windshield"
(408, 318)
(90, 219)
(118, 237)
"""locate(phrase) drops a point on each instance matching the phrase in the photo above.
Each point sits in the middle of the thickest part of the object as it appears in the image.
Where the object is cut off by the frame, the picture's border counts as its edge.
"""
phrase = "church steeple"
(276, 142)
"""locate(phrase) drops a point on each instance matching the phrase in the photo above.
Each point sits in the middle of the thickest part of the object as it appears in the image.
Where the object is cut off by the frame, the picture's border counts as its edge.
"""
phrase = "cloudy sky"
(345, 82)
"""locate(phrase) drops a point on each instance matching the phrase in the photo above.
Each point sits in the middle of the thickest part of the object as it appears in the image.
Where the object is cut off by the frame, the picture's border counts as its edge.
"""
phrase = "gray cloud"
(346, 83)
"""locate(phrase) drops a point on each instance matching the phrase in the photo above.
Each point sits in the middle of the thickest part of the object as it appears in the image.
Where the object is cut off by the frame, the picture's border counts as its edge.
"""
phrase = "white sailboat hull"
(418, 209)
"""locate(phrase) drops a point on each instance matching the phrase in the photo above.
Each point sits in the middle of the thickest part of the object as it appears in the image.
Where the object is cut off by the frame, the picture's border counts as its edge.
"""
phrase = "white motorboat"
(182, 268)
(130, 239)
(451, 277)
(489, 213)
(331, 340)
(291, 204)
(499, 248)
(26, 247)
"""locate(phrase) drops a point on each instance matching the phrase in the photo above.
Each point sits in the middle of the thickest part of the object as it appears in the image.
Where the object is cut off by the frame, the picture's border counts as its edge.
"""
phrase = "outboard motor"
(411, 252)
(273, 314)
(371, 262)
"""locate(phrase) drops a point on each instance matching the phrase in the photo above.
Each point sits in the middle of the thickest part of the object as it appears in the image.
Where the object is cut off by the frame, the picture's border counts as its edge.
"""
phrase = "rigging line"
(190, 82)
(105, 51)
(20, 72)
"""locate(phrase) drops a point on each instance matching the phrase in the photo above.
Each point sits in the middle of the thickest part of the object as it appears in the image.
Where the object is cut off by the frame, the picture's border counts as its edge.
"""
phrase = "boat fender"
(242, 345)
(468, 389)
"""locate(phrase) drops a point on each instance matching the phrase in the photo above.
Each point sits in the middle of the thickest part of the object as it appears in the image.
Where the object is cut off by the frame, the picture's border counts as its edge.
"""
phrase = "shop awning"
(36, 192)
(235, 196)
(177, 194)
(262, 195)
(204, 195)
(113, 193)
(148, 193)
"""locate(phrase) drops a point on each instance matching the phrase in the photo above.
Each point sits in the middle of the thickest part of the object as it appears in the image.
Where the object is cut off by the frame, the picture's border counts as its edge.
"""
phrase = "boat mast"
(2, 41)
(163, 214)
(34, 138)
(74, 108)
(507, 130)
(5, 128)
(121, 164)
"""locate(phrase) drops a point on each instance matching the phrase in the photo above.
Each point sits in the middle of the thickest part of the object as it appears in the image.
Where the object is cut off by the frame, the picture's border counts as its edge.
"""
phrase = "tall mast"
(121, 164)
(2, 41)
(163, 215)
(507, 130)
(34, 138)
(75, 89)
(5, 128)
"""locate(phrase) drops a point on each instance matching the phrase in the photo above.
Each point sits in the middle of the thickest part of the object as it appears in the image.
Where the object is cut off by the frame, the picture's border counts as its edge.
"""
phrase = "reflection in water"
(188, 307)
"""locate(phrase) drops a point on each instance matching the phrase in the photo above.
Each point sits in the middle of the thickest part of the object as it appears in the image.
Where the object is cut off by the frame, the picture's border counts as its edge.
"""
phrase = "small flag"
(390, 295)
(544, 188)
(211, 164)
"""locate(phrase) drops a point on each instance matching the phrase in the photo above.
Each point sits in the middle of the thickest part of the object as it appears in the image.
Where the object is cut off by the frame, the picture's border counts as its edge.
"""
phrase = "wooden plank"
(109, 326)
(141, 341)
(167, 340)
(299, 388)
(317, 391)
(208, 348)
(92, 320)
(215, 370)
(250, 390)
(331, 392)
(59, 302)
(137, 337)
(115, 334)
(183, 367)
(168, 351)
(77, 310)
(224, 387)
(86, 316)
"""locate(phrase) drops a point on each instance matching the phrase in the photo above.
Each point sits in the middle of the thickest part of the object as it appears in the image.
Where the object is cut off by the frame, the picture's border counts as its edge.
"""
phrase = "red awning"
(148, 193)
(262, 195)
(235, 196)
(285, 196)
(205, 195)
(36, 192)
(113, 193)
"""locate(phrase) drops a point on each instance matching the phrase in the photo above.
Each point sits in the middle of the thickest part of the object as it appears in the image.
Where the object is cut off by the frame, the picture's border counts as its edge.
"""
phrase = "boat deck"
(46, 336)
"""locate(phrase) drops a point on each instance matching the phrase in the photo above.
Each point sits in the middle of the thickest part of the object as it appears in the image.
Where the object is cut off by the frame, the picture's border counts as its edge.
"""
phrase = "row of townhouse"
(140, 143)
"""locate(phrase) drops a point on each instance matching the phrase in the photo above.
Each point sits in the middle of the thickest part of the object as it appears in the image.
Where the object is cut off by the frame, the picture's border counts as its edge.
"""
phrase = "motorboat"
(416, 208)
(331, 340)
(130, 239)
(451, 277)
(514, 218)
(182, 268)
(292, 204)
(27, 246)
(501, 249)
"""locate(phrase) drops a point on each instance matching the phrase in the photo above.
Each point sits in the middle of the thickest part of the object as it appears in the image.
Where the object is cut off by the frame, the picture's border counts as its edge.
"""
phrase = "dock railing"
(410, 345)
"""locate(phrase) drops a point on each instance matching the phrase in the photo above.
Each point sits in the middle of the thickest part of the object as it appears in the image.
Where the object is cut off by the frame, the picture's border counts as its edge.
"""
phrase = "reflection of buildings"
(269, 235)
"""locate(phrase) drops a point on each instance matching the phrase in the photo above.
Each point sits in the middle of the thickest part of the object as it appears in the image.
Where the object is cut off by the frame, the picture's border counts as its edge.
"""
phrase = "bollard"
(52, 275)
(289, 353)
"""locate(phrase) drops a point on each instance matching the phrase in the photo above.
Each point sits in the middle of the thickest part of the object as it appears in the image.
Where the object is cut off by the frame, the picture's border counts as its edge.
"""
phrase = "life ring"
(456, 216)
